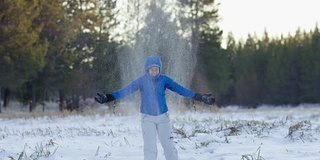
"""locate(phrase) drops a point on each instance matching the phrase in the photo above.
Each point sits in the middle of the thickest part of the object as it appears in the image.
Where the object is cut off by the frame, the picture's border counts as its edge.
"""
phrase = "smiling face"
(153, 71)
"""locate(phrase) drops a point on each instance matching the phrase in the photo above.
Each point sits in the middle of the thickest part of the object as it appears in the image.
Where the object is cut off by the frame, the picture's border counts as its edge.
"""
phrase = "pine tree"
(22, 51)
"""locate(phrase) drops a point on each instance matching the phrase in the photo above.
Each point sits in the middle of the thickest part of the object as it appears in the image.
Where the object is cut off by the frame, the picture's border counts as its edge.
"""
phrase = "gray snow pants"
(161, 126)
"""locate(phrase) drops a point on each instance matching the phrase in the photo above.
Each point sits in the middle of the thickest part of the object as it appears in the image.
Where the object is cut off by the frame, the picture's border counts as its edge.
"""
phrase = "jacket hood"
(153, 61)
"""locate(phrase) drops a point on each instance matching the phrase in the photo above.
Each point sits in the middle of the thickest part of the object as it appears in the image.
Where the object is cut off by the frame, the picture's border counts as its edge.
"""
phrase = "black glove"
(104, 98)
(206, 98)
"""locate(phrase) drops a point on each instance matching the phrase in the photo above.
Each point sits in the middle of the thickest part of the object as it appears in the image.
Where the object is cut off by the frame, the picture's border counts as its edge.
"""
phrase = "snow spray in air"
(159, 35)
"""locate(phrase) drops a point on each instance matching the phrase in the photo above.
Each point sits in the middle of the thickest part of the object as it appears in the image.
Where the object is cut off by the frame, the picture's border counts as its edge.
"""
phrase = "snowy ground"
(271, 133)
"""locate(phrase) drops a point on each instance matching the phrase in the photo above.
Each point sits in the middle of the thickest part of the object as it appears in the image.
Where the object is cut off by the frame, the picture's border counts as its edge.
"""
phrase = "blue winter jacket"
(152, 89)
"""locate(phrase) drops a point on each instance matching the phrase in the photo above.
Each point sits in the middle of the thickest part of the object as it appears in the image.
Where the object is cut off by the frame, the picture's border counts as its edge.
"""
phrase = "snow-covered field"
(270, 133)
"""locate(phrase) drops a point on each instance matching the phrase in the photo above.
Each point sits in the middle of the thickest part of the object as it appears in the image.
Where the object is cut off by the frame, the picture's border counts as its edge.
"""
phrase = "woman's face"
(153, 71)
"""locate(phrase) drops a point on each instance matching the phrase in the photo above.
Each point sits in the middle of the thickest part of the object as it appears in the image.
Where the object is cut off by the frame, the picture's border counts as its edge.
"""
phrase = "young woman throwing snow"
(154, 117)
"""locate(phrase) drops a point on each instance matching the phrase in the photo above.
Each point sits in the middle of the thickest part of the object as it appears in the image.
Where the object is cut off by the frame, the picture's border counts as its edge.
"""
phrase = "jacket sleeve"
(127, 90)
(178, 88)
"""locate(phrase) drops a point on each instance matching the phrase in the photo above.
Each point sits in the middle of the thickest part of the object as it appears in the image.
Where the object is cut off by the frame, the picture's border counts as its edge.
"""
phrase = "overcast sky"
(276, 16)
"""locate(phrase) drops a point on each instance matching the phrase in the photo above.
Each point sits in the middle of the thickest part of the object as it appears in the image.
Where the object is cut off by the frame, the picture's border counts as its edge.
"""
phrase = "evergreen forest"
(67, 50)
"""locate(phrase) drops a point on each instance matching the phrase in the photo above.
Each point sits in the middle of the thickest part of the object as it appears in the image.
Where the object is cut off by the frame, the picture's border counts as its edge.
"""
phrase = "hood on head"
(152, 61)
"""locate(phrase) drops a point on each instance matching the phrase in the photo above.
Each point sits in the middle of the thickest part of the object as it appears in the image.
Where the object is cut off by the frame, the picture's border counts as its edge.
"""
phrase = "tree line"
(49, 49)
(281, 70)
(65, 50)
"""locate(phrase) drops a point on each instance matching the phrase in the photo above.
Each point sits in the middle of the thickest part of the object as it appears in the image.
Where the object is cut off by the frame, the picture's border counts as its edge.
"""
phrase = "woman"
(154, 117)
